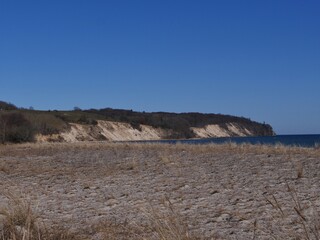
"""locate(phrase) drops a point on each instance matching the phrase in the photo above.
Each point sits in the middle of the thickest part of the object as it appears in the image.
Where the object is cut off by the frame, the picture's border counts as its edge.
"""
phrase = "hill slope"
(20, 125)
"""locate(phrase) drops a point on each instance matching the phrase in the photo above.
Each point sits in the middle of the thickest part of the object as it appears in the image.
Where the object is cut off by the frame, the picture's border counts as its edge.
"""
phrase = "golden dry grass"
(19, 221)
(51, 148)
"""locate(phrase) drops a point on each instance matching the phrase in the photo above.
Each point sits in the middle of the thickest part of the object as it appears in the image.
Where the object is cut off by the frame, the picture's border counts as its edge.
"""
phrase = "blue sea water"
(311, 140)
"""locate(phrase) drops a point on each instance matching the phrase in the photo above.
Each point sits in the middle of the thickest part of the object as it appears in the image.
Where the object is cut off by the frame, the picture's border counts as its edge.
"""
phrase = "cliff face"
(23, 125)
(228, 130)
(104, 130)
(117, 131)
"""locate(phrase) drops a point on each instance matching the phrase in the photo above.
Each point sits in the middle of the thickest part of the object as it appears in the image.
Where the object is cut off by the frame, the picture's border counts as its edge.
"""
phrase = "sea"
(302, 140)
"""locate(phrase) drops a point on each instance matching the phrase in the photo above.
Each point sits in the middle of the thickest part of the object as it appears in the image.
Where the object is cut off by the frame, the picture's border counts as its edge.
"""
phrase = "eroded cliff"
(118, 131)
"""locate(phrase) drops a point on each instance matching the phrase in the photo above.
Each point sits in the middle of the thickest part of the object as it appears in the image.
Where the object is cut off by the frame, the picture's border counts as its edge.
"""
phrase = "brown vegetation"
(14, 127)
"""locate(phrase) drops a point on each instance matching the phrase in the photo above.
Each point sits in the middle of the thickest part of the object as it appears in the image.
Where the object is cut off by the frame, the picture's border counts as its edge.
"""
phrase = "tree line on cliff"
(21, 125)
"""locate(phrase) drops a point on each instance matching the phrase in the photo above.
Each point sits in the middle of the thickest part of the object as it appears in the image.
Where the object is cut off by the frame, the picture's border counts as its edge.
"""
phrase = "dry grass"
(296, 220)
(168, 224)
(20, 222)
(113, 230)
(299, 169)
(162, 224)
(48, 149)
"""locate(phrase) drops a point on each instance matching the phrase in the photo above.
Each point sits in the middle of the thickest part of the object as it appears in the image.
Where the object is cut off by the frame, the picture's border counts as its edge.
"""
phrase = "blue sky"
(258, 59)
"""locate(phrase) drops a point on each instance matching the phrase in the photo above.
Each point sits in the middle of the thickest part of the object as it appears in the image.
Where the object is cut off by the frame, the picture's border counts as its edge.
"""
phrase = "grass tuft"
(19, 222)
(168, 225)
(299, 169)
(296, 222)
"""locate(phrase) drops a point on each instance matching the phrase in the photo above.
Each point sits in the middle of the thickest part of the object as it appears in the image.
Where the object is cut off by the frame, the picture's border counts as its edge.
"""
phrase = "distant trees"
(84, 119)
(7, 106)
(14, 127)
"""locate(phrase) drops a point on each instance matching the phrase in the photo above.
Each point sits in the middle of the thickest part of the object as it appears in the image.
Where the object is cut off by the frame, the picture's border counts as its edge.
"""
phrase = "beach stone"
(224, 218)
(218, 192)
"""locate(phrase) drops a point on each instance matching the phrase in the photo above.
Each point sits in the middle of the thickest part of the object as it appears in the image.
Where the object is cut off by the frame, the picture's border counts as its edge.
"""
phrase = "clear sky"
(257, 59)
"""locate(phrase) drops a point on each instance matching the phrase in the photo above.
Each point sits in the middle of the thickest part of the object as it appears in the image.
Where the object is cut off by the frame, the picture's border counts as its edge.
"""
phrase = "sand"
(118, 131)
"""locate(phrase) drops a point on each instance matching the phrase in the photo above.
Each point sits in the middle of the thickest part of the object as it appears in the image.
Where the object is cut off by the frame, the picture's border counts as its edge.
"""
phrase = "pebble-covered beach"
(124, 191)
